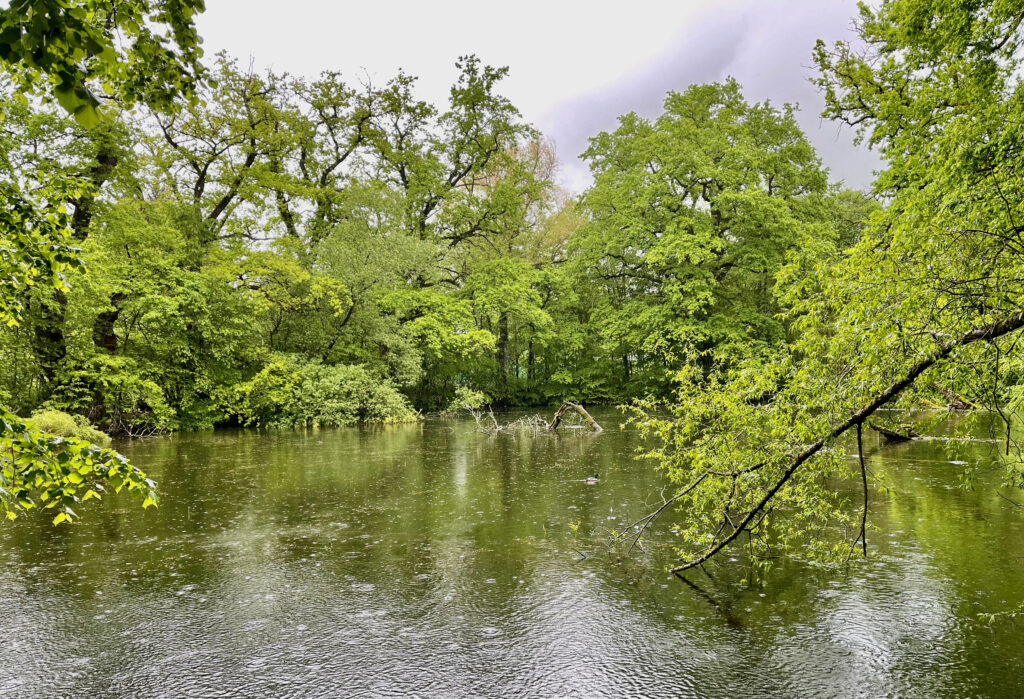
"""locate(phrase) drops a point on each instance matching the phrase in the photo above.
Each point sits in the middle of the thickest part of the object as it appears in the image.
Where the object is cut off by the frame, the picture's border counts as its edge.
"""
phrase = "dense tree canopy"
(71, 49)
(691, 216)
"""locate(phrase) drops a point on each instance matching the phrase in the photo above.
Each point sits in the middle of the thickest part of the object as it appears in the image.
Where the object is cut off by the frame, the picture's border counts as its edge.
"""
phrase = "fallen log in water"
(567, 406)
(905, 433)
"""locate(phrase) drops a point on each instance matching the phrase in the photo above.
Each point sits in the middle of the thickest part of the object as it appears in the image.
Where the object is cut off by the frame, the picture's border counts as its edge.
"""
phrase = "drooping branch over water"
(856, 421)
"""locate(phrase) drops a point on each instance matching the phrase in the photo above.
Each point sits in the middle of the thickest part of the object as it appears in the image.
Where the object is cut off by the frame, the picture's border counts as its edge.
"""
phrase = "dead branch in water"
(954, 401)
(533, 423)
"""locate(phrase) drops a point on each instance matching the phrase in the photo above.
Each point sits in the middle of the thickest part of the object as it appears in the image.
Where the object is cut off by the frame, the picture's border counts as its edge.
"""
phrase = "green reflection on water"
(434, 560)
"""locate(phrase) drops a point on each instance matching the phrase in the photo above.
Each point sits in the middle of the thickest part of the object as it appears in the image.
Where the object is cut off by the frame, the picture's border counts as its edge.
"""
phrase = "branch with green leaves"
(45, 471)
(86, 50)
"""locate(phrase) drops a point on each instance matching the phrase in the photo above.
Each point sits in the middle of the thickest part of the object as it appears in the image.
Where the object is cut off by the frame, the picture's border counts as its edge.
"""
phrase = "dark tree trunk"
(503, 354)
(48, 341)
(103, 333)
(99, 173)
(105, 338)
(47, 337)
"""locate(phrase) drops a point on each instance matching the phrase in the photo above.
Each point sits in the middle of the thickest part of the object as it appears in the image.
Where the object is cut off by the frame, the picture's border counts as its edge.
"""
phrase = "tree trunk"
(103, 333)
(47, 336)
(48, 341)
(105, 338)
(502, 348)
(566, 407)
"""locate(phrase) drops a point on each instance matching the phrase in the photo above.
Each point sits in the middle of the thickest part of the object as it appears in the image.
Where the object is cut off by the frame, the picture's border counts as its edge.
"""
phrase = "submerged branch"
(644, 522)
(904, 434)
(863, 536)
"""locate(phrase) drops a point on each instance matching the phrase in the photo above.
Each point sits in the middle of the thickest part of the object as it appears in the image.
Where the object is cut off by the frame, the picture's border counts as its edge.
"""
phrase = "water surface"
(429, 560)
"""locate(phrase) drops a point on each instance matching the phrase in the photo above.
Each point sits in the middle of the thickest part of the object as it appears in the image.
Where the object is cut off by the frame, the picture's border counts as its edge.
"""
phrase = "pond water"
(430, 560)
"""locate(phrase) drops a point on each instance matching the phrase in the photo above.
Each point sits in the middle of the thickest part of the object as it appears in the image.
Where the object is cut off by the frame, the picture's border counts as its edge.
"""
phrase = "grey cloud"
(766, 46)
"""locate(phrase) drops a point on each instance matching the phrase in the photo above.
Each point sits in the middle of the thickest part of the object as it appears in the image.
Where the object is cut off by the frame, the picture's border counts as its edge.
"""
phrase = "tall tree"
(691, 216)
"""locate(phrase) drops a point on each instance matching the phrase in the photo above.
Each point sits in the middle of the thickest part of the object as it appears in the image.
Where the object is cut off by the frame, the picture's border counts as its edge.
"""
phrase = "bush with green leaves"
(291, 391)
(467, 399)
(63, 424)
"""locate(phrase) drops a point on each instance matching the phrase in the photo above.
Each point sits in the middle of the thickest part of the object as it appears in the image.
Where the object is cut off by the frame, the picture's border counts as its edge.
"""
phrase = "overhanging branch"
(987, 333)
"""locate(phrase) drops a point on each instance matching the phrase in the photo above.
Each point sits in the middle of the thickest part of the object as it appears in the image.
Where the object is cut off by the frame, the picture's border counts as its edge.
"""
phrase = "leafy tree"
(152, 333)
(39, 147)
(39, 469)
(383, 193)
(211, 154)
(929, 296)
(691, 217)
(67, 47)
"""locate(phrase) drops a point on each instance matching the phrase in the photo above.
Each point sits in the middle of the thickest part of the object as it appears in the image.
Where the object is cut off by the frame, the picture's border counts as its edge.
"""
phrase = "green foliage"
(361, 226)
(62, 424)
(439, 324)
(73, 47)
(928, 297)
(34, 240)
(292, 392)
(117, 396)
(65, 47)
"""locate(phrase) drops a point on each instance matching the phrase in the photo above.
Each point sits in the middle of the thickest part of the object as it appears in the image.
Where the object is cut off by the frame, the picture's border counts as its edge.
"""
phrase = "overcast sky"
(574, 66)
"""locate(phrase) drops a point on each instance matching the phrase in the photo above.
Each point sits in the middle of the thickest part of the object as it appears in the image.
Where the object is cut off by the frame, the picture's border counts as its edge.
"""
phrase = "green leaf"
(88, 116)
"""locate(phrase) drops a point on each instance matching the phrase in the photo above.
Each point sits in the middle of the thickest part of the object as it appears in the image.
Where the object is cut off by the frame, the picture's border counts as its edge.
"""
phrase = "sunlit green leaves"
(35, 244)
(138, 51)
